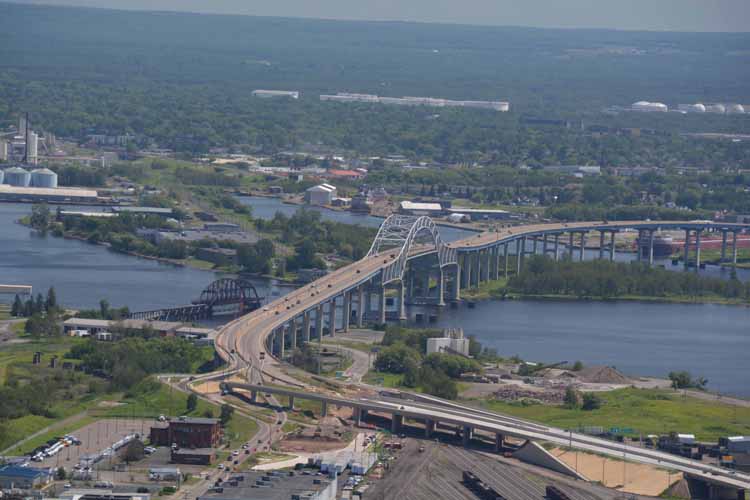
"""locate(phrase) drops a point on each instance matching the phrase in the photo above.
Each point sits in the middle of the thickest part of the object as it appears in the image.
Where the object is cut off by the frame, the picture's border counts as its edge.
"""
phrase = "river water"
(637, 338)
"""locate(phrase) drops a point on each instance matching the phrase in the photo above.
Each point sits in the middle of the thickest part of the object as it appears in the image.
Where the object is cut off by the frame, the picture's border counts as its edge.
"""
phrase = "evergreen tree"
(17, 309)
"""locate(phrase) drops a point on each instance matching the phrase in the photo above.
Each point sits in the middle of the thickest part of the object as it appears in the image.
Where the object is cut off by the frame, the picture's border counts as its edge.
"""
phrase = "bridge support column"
(332, 317)
(545, 244)
(401, 301)
(534, 245)
(357, 416)
(291, 403)
(498, 443)
(640, 245)
(505, 257)
(571, 246)
(396, 422)
(697, 250)
(497, 263)
(346, 313)
(583, 246)
(557, 247)
(429, 428)
(519, 255)
(368, 303)
(486, 265)
(465, 271)
(601, 245)
(360, 308)
(381, 305)
(723, 246)
(282, 342)
(651, 247)
(734, 249)
(466, 435)
(293, 334)
(612, 246)
(686, 249)
(319, 322)
(323, 409)
(456, 291)
(477, 267)
(306, 326)
(441, 287)
(253, 396)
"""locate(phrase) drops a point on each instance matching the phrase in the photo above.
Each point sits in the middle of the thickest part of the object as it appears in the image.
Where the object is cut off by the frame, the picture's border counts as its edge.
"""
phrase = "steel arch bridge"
(213, 301)
(399, 233)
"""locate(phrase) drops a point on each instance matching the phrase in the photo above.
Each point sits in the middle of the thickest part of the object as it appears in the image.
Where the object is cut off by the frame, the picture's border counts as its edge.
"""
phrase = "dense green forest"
(610, 280)
(184, 81)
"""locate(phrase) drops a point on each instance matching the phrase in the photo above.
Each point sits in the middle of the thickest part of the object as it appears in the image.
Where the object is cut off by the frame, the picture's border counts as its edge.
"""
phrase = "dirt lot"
(624, 476)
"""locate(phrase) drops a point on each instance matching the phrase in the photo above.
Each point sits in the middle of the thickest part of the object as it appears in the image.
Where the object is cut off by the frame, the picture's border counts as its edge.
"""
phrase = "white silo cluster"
(716, 108)
(651, 107)
(19, 177)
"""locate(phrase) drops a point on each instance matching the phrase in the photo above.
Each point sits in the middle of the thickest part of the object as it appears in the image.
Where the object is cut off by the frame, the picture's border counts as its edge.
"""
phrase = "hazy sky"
(673, 15)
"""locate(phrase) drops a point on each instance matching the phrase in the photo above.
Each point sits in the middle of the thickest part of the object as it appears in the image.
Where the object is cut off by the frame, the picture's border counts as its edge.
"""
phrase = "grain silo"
(16, 176)
(43, 178)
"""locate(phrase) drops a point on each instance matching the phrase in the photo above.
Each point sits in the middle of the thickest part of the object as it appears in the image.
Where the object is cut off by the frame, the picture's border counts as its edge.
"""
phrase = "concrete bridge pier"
(497, 263)
(466, 435)
(368, 303)
(293, 334)
(545, 244)
(456, 290)
(686, 249)
(583, 246)
(401, 301)
(571, 246)
(323, 409)
(253, 396)
(486, 264)
(651, 247)
(465, 272)
(441, 286)
(476, 268)
(396, 422)
(519, 256)
(734, 248)
(429, 428)
(332, 317)
(319, 322)
(360, 306)
(534, 242)
(505, 257)
(612, 246)
(723, 246)
(499, 438)
(291, 403)
(346, 313)
(601, 245)
(557, 247)
(381, 305)
(282, 341)
(306, 326)
(697, 250)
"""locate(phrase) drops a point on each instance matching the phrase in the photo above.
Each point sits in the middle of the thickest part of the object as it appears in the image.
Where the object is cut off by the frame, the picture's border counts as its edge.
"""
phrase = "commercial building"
(94, 326)
(419, 208)
(322, 194)
(577, 170)
(479, 213)
(193, 456)
(266, 94)
(23, 478)
(273, 485)
(502, 106)
(34, 194)
(188, 432)
(164, 212)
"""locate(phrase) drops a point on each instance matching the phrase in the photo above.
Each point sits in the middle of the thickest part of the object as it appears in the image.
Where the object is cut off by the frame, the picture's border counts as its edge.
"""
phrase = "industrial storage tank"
(43, 178)
(716, 108)
(649, 106)
(736, 109)
(16, 176)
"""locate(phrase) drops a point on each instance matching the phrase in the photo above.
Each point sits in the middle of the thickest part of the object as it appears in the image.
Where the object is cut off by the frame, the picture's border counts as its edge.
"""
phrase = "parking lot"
(94, 438)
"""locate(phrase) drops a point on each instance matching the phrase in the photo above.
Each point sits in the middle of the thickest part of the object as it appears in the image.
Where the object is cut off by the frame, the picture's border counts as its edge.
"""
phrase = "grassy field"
(391, 380)
(487, 290)
(646, 411)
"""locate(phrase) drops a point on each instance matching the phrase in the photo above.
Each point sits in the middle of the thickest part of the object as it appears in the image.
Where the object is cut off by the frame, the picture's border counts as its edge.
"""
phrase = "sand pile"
(602, 375)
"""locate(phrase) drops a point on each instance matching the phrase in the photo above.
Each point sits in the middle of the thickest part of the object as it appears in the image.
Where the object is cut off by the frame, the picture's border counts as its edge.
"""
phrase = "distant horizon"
(687, 16)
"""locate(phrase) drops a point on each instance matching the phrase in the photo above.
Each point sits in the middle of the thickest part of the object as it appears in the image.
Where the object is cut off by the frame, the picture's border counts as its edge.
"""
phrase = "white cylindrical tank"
(44, 178)
(735, 109)
(716, 108)
(17, 176)
(649, 106)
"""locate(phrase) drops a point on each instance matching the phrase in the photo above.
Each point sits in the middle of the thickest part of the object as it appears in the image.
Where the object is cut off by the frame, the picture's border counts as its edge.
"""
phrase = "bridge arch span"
(398, 234)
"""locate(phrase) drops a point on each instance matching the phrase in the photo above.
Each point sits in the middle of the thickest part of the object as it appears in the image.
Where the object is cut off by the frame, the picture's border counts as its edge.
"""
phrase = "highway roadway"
(242, 344)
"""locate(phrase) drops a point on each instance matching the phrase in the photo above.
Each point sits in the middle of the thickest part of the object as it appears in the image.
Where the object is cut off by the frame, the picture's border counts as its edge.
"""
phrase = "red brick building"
(188, 432)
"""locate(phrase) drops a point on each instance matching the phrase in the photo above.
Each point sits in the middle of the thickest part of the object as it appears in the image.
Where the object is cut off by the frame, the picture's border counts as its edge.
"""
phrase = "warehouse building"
(273, 485)
(94, 326)
(322, 194)
(267, 94)
(480, 213)
(23, 478)
(419, 208)
(38, 194)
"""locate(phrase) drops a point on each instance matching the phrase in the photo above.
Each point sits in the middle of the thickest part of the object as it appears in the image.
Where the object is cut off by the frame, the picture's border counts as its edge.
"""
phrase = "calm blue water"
(638, 338)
